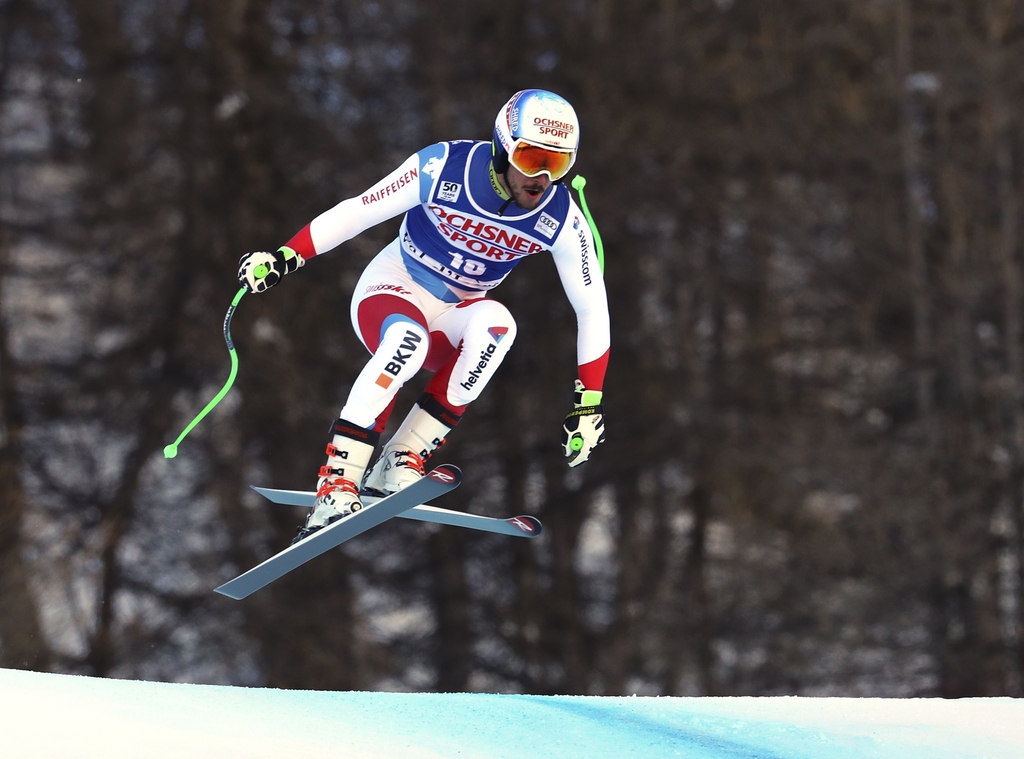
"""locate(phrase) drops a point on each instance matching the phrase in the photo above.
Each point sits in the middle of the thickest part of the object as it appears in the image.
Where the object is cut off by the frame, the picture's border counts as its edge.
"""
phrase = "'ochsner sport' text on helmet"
(538, 117)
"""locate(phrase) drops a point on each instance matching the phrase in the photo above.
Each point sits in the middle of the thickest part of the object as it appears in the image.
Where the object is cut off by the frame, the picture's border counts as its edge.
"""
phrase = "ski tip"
(225, 590)
(446, 474)
(529, 526)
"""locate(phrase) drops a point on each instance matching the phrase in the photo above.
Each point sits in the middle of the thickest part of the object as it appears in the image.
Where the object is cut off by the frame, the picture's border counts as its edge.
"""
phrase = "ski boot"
(402, 461)
(337, 492)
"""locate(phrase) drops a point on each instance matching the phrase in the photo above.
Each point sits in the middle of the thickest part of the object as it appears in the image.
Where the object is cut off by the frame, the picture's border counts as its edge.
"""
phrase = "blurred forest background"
(812, 215)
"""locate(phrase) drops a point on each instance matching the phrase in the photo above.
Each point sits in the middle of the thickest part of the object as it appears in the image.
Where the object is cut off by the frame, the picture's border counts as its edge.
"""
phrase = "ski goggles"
(533, 160)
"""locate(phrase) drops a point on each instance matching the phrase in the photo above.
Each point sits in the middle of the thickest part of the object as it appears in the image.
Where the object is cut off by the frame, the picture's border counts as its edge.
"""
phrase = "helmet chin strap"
(507, 203)
(504, 207)
(502, 190)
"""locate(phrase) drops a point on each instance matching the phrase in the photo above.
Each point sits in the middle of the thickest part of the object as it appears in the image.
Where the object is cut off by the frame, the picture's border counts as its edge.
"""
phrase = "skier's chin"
(530, 197)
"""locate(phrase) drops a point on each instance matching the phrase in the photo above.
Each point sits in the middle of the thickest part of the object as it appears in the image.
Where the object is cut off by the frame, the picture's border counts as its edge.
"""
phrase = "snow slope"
(45, 715)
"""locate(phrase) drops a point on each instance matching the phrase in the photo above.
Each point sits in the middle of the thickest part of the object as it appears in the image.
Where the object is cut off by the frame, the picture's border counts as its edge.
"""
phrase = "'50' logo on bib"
(449, 191)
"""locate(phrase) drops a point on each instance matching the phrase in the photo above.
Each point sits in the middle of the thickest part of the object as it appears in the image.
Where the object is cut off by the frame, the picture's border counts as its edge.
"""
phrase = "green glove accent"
(289, 254)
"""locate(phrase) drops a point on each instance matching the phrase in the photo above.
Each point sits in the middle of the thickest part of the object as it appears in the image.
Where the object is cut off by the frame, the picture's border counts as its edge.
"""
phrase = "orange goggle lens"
(533, 160)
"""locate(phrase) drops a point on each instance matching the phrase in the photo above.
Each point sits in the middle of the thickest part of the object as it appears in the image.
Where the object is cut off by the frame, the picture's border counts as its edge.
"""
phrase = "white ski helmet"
(537, 132)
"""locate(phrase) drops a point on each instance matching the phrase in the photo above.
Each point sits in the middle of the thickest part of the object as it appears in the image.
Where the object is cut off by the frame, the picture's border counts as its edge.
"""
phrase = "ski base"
(441, 480)
(517, 527)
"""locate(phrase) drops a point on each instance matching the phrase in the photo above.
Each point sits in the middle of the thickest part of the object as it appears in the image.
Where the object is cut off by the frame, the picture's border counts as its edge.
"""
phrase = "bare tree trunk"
(565, 633)
(915, 196)
(709, 399)
(619, 644)
(1016, 675)
(959, 277)
(701, 628)
(1000, 19)
(1007, 252)
(21, 639)
(454, 639)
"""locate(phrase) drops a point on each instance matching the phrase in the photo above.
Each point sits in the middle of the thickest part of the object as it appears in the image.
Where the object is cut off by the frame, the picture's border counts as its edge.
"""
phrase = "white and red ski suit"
(422, 301)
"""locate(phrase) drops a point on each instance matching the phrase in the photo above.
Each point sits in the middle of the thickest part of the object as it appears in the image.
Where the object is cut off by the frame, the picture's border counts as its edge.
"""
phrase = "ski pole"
(578, 183)
(171, 450)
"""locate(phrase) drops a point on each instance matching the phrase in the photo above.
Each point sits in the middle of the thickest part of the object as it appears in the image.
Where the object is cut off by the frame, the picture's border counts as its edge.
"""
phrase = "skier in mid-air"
(473, 210)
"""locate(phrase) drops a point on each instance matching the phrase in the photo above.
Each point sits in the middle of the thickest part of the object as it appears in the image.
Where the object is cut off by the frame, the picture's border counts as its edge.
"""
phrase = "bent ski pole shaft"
(578, 183)
(171, 450)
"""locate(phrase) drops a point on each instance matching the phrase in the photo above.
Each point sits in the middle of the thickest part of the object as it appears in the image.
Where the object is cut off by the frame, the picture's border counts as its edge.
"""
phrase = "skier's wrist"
(289, 258)
(586, 398)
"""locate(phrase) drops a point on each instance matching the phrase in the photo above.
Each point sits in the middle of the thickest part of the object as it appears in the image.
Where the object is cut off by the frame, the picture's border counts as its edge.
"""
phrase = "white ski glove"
(583, 429)
(259, 271)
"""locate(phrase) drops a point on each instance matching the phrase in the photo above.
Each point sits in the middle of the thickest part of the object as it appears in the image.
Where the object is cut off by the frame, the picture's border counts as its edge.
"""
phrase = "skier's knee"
(490, 334)
(491, 320)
